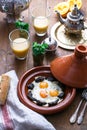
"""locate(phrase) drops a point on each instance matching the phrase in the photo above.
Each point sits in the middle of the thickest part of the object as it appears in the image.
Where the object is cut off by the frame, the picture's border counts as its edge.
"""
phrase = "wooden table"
(8, 62)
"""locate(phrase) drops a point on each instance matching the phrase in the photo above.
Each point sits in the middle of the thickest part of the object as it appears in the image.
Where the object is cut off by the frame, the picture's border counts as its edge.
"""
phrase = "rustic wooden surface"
(8, 62)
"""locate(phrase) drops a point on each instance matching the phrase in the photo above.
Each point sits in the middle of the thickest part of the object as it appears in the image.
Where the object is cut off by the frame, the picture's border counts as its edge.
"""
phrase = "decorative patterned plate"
(68, 41)
(28, 77)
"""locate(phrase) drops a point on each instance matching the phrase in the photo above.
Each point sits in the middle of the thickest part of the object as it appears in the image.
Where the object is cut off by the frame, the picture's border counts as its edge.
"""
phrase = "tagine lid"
(72, 69)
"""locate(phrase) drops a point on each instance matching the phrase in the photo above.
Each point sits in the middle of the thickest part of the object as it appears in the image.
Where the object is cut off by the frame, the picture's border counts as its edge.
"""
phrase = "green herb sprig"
(39, 49)
(22, 25)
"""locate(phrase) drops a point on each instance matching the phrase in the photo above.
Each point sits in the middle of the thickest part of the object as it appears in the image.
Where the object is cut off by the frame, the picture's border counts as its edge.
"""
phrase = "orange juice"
(41, 24)
(20, 47)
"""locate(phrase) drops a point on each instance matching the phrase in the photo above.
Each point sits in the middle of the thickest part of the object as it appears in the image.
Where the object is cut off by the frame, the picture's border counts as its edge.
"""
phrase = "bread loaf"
(4, 88)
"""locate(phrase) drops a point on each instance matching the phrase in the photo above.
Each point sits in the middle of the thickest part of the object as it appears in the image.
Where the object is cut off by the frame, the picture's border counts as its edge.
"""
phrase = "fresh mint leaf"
(38, 48)
(22, 25)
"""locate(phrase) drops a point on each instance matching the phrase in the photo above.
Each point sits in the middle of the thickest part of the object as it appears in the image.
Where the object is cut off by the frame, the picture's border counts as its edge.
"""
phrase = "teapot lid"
(75, 15)
(52, 43)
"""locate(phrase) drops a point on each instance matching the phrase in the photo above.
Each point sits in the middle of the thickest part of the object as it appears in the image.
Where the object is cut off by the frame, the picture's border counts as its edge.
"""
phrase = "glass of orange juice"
(20, 43)
(40, 18)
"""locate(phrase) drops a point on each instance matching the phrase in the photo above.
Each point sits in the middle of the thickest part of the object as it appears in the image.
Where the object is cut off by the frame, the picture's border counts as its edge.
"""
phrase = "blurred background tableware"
(40, 18)
(20, 43)
(13, 8)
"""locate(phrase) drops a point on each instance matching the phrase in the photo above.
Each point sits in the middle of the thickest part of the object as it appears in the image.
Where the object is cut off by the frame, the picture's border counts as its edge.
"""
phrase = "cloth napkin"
(16, 116)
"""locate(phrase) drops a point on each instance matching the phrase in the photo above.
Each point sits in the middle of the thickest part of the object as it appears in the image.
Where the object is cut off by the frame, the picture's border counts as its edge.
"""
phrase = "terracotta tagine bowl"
(72, 69)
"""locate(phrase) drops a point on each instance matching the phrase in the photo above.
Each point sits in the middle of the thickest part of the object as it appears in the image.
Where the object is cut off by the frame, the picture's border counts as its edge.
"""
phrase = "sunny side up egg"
(46, 91)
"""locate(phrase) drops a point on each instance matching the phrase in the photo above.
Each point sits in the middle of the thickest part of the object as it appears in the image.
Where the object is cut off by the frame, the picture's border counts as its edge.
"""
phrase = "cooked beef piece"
(30, 86)
(39, 79)
(61, 95)
(53, 103)
(29, 95)
(51, 79)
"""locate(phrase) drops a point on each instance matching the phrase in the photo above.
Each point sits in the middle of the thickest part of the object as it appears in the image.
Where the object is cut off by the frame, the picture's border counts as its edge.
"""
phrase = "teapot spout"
(62, 20)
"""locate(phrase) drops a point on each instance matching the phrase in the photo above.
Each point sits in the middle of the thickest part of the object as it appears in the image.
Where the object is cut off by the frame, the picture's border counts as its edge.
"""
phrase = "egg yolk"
(53, 93)
(43, 93)
(43, 85)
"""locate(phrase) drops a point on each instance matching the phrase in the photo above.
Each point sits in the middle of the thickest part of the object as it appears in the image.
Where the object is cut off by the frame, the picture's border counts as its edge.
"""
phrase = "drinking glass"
(20, 43)
(40, 19)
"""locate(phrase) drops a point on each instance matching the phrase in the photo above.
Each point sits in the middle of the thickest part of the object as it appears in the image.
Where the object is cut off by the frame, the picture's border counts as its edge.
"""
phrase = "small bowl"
(52, 44)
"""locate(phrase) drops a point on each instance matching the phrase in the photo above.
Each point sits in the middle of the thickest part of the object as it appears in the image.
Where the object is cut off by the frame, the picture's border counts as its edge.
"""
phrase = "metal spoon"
(81, 116)
(74, 116)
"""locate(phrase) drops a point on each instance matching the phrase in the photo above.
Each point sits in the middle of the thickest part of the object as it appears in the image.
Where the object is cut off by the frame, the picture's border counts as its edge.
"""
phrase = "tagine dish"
(41, 92)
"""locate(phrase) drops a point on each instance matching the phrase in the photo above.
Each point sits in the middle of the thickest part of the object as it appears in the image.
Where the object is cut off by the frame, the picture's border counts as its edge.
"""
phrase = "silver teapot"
(13, 8)
(74, 22)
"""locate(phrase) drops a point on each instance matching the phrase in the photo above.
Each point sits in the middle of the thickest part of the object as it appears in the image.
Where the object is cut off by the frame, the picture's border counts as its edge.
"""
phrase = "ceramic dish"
(67, 41)
(70, 69)
(22, 90)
